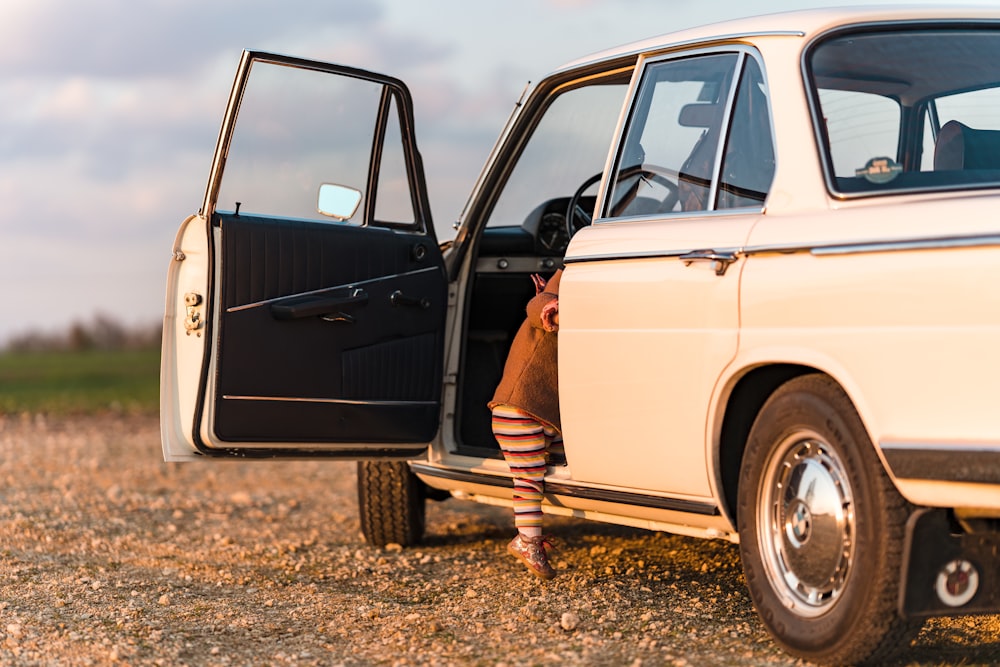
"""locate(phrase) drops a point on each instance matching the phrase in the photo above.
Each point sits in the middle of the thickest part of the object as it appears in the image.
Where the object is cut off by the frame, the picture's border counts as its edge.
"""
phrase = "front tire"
(821, 528)
(391, 503)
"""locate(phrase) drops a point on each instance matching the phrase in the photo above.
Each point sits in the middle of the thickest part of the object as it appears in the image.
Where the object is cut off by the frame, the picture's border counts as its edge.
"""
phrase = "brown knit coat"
(530, 379)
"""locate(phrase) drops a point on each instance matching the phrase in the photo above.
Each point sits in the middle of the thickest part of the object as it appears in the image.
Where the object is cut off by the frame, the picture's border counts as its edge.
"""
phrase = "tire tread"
(391, 503)
(879, 631)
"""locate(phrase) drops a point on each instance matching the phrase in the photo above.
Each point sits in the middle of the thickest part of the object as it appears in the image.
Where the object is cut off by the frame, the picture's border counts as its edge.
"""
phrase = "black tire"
(821, 529)
(391, 503)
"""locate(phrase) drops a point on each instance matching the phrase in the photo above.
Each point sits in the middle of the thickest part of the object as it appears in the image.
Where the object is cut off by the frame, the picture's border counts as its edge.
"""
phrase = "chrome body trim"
(883, 245)
(849, 248)
(340, 401)
(644, 47)
(935, 243)
(563, 488)
(666, 254)
(257, 304)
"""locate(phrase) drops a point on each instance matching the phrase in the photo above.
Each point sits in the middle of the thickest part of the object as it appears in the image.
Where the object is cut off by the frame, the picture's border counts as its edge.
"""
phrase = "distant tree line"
(102, 332)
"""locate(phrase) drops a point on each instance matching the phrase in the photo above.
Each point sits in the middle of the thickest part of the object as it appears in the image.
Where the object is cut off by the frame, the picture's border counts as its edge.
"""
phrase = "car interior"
(501, 288)
(526, 232)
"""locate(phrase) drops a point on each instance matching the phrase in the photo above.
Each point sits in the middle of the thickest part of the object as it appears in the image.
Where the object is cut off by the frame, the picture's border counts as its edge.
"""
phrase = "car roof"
(805, 23)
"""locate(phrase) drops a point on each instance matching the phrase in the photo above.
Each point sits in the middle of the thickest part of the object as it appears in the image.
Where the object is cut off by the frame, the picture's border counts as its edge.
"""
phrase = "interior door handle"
(317, 305)
(397, 298)
(722, 259)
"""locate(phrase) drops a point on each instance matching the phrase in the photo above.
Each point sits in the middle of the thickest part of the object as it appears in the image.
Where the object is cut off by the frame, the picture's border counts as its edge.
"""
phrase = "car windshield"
(908, 108)
(568, 145)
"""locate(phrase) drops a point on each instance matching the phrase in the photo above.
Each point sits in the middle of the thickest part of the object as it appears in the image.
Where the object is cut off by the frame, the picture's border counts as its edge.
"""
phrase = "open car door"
(306, 300)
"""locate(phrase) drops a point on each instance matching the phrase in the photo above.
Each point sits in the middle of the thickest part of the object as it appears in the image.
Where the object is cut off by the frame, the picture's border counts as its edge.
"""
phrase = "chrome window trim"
(727, 116)
(664, 49)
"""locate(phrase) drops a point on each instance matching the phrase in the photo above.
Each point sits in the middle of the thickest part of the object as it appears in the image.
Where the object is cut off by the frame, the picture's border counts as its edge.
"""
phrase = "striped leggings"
(524, 442)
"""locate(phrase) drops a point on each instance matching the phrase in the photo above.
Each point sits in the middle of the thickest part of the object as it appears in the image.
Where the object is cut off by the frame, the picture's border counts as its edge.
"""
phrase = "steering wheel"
(577, 217)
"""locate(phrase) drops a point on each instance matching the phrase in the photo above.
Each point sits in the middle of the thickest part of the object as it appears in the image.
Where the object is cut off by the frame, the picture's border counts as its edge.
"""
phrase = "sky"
(111, 109)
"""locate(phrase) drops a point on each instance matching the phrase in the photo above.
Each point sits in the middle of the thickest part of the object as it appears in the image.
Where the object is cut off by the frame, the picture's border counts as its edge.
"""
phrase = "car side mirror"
(338, 201)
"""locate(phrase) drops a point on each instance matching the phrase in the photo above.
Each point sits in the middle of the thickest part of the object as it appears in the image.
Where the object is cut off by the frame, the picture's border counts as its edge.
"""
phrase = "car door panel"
(313, 346)
(655, 294)
(314, 334)
(665, 330)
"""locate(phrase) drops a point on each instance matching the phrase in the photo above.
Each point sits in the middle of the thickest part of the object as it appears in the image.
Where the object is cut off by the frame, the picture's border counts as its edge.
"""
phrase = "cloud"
(112, 109)
(124, 38)
(572, 4)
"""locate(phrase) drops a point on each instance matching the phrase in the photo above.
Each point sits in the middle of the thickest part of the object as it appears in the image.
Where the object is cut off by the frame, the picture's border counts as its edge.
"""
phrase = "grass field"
(87, 382)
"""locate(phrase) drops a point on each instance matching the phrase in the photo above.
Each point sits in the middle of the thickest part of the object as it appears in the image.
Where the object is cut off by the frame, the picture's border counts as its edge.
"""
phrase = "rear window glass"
(907, 108)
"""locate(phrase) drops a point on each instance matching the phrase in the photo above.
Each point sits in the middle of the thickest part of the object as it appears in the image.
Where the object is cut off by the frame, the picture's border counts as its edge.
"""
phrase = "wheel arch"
(744, 402)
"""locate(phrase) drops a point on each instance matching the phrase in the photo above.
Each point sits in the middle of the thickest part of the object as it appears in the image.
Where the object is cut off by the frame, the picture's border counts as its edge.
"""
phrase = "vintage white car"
(780, 309)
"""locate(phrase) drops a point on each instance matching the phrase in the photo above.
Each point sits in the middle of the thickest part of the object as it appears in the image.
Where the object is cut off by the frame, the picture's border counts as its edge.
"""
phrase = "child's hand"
(539, 283)
(550, 316)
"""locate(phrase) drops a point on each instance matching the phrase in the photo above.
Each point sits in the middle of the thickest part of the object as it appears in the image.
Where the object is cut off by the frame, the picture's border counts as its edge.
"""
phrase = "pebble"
(264, 566)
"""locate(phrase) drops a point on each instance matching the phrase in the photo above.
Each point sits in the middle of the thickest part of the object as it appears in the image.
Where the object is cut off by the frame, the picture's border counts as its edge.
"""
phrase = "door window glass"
(977, 108)
(748, 160)
(393, 203)
(861, 126)
(298, 129)
(669, 154)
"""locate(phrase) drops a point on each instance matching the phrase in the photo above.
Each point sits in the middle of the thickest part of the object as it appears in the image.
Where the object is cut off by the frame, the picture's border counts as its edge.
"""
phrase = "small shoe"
(531, 552)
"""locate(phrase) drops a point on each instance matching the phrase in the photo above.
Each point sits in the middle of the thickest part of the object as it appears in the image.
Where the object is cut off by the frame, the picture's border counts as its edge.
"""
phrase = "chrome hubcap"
(807, 524)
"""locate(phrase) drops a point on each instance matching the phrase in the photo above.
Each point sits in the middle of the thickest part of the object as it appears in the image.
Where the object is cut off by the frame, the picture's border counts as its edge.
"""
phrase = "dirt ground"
(108, 555)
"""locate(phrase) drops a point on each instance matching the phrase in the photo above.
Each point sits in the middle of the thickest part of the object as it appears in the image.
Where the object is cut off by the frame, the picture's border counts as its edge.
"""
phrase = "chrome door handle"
(722, 259)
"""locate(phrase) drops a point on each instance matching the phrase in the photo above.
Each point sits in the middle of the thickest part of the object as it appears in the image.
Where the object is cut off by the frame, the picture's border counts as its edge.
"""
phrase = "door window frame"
(394, 94)
(743, 53)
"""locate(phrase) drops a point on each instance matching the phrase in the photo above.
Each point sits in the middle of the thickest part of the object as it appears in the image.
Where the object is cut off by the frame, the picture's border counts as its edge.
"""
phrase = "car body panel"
(183, 343)
(873, 308)
(641, 345)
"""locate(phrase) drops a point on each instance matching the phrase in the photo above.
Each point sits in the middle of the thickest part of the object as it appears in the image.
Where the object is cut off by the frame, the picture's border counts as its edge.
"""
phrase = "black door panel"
(328, 333)
(310, 422)
(266, 259)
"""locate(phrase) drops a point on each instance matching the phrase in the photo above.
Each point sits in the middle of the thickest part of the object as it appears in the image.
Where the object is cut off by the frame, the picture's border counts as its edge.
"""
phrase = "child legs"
(524, 442)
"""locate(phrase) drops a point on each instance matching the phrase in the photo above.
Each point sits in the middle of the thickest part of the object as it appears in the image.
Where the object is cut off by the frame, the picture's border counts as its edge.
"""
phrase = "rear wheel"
(821, 528)
(391, 503)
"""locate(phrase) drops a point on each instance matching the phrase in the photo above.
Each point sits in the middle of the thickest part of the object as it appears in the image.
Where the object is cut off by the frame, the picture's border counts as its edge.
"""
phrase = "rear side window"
(907, 108)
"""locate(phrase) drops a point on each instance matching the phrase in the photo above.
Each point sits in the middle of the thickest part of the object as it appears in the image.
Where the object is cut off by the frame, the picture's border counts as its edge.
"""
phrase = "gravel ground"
(110, 556)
